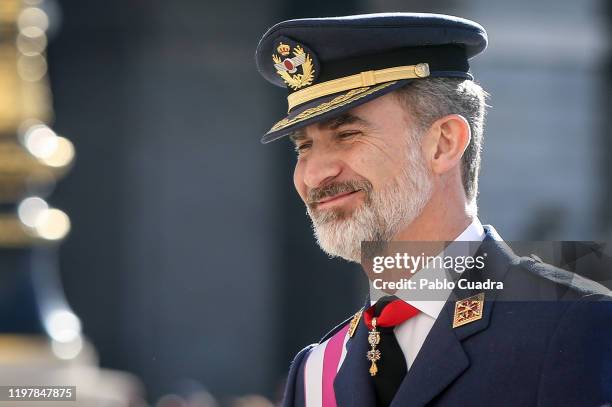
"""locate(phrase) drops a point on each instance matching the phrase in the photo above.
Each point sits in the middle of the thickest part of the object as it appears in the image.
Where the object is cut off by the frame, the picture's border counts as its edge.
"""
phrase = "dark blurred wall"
(89, 71)
(173, 260)
(605, 208)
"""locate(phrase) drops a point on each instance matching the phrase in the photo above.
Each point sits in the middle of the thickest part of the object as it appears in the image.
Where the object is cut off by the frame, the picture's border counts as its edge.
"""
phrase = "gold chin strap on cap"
(363, 79)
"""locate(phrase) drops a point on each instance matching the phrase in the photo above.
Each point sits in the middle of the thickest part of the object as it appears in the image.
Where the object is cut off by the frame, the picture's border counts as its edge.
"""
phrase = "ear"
(447, 139)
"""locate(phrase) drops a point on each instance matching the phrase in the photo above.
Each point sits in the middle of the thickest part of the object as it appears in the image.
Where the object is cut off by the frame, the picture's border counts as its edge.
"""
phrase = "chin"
(341, 238)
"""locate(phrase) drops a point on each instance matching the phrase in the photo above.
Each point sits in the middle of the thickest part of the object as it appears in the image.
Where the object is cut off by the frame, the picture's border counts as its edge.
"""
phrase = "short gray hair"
(429, 99)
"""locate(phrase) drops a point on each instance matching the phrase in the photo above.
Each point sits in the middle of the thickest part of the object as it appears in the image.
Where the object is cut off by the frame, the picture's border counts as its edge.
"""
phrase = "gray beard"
(380, 218)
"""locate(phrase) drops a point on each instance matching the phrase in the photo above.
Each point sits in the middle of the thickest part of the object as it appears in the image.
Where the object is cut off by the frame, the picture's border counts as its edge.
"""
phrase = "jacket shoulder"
(294, 392)
(567, 285)
(353, 320)
(302, 355)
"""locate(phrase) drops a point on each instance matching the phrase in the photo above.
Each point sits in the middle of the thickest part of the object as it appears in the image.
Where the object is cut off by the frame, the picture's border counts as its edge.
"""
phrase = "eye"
(302, 147)
(347, 135)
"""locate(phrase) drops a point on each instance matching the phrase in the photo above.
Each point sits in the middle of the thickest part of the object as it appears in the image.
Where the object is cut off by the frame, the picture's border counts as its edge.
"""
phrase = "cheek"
(298, 182)
(375, 164)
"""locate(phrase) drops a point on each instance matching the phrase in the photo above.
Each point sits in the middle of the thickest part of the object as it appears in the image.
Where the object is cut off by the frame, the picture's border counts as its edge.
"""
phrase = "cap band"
(362, 79)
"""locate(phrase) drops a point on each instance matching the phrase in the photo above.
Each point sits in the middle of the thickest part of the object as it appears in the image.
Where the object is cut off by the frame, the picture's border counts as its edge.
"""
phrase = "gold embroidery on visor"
(363, 79)
(335, 103)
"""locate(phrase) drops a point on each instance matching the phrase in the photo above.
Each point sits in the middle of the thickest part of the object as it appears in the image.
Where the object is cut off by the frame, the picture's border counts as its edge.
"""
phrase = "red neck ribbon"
(393, 314)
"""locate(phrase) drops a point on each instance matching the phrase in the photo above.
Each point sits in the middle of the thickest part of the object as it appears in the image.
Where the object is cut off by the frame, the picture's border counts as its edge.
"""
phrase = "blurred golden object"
(18, 348)
(52, 225)
(13, 233)
(19, 170)
(9, 10)
(21, 99)
(32, 157)
(31, 41)
(33, 17)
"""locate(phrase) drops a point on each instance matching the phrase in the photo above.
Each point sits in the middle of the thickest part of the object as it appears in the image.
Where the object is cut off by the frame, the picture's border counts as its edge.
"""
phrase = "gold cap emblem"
(288, 68)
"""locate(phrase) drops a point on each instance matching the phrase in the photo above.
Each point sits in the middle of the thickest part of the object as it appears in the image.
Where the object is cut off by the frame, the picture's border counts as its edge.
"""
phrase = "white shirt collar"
(473, 233)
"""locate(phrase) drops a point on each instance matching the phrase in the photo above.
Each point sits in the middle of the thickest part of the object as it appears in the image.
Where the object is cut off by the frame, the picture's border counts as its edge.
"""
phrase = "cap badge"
(298, 70)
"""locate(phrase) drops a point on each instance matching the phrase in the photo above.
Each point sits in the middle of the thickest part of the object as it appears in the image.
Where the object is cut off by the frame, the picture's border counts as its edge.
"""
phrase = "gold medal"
(373, 354)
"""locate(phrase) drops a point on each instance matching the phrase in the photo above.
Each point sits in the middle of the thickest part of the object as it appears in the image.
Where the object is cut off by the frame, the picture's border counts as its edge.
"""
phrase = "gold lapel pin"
(468, 310)
(354, 323)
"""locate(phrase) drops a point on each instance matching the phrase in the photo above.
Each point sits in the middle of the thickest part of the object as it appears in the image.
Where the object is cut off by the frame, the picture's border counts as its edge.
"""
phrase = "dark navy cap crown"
(330, 65)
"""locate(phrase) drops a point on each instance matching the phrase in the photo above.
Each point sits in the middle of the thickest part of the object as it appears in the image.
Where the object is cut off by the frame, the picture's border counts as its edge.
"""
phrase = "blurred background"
(152, 251)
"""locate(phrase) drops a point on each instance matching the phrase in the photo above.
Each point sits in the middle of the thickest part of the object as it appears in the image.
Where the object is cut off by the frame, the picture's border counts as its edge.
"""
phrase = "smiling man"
(381, 183)
(388, 125)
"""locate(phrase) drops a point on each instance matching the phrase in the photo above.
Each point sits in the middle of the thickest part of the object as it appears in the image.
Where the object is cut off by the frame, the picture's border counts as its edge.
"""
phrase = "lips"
(332, 198)
(337, 197)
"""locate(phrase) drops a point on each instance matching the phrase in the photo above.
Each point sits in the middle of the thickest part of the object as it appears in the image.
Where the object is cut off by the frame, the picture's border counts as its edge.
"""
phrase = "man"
(387, 123)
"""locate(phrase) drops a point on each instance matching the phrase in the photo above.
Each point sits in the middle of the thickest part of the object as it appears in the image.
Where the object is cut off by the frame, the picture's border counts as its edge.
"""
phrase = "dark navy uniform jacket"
(521, 353)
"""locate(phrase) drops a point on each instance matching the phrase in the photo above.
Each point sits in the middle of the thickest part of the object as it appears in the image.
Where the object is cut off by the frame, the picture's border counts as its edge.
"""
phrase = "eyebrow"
(343, 119)
(331, 124)
(297, 135)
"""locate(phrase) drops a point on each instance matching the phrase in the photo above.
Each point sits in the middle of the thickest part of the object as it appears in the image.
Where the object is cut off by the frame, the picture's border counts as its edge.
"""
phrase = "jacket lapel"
(353, 385)
(442, 359)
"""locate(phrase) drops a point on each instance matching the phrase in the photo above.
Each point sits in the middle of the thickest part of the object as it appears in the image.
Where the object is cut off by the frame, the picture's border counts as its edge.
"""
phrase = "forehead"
(373, 114)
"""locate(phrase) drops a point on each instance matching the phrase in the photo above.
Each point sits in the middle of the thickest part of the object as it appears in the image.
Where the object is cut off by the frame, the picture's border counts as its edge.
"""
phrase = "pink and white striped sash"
(321, 368)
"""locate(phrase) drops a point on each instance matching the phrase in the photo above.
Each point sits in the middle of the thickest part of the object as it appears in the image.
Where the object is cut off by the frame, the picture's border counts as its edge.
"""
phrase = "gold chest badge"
(294, 64)
(468, 310)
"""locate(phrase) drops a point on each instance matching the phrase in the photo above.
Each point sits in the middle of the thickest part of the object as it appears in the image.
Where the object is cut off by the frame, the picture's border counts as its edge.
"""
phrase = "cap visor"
(328, 107)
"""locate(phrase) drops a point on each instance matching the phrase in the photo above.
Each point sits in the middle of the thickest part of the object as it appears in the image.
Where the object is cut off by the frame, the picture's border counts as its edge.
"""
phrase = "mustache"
(317, 194)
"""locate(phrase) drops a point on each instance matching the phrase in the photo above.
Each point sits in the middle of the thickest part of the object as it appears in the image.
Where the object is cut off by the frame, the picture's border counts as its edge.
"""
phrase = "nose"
(321, 166)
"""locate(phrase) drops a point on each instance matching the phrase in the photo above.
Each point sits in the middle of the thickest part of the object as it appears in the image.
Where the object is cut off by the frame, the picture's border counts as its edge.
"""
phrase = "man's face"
(361, 175)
